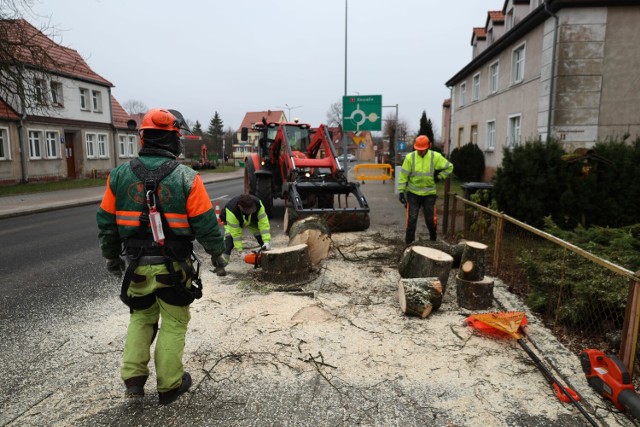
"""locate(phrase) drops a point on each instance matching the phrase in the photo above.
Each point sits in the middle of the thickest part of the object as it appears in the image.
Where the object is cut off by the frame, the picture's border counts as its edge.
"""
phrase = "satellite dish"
(132, 124)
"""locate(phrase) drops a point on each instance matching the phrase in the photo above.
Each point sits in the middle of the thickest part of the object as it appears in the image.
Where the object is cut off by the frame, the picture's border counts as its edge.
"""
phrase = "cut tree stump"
(472, 265)
(420, 261)
(420, 296)
(475, 295)
(286, 265)
(314, 232)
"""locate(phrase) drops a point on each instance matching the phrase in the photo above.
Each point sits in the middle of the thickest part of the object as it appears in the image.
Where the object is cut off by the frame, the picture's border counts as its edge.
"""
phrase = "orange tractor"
(298, 164)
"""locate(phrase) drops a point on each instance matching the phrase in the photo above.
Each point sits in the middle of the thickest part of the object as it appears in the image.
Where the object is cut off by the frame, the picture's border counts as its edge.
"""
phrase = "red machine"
(609, 377)
(299, 165)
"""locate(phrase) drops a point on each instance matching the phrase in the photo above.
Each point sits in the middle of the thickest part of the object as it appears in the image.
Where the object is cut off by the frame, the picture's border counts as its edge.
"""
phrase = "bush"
(590, 294)
(468, 162)
(529, 182)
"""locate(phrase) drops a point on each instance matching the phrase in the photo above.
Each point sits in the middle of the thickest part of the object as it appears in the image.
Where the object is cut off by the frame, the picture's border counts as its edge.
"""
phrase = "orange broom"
(508, 324)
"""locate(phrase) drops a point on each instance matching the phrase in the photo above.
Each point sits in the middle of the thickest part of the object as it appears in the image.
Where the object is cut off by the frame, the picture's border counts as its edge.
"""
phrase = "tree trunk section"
(475, 295)
(286, 265)
(419, 297)
(472, 265)
(420, 261)
(455, 250)
(314, 232)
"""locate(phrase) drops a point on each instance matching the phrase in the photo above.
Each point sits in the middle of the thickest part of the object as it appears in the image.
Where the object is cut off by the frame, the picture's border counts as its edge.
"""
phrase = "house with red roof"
(69, 125)
(241, 149)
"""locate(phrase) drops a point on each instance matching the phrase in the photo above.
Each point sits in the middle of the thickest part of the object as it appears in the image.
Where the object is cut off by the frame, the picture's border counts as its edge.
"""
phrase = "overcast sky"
(235, 56)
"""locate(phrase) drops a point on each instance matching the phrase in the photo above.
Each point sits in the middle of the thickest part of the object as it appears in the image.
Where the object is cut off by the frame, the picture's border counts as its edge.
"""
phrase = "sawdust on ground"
(340, 353)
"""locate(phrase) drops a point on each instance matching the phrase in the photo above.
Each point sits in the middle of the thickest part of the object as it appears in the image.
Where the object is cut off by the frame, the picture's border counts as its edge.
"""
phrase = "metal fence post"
(630, 328)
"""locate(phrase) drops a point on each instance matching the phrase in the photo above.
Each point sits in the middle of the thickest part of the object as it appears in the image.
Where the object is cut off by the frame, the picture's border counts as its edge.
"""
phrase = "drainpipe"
(23, 159)
(114, 132)
(553, 67)
(450, 121)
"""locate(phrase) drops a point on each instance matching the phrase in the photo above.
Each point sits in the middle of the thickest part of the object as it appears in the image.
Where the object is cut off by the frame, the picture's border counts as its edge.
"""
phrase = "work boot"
(169, 396)
(135, 386)
(220, 271)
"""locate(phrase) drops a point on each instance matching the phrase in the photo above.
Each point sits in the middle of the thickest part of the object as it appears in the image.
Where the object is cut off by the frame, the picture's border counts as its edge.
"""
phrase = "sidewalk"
(24, 204)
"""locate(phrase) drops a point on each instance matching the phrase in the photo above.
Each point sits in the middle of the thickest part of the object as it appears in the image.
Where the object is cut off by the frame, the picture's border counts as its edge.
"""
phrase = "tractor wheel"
(264, 193)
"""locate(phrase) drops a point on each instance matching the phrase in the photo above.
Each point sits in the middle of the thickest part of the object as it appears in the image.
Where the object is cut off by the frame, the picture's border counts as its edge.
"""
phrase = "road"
(51, 261)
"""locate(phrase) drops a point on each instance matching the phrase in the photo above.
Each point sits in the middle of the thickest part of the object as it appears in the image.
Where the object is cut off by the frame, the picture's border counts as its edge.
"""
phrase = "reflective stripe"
(264, 215)
(177, 220)
(128, 218)
(414, 188)
(233, 225)
(264, 232)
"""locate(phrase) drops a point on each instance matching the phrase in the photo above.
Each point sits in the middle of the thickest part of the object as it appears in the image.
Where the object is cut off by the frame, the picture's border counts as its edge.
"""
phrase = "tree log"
(286, 265)
(419, 297)
(472, 265)
(455, 250)
(419, 261)
(476, 295)
(314, 232)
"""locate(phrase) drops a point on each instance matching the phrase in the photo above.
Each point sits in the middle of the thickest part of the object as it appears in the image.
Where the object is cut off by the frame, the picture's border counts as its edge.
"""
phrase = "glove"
(116, 266)
(403, 199)
(266, 246)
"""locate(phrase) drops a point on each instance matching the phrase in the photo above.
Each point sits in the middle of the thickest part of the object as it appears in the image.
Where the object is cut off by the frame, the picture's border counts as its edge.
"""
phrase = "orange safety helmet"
(160, 119)
(422, 143)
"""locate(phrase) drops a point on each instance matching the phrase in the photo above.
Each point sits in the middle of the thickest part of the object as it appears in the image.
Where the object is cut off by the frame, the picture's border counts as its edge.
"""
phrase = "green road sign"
(361, 112)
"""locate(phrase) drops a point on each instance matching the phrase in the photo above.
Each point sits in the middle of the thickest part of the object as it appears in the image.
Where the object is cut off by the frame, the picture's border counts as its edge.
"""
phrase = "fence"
(583, 298)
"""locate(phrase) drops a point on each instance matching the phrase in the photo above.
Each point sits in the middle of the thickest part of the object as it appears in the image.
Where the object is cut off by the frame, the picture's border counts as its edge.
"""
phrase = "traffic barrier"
(373, 172)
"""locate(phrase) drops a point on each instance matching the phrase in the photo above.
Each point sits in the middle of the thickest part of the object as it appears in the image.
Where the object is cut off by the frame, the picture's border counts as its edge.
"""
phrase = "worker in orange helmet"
(417, 185)
(152, 210)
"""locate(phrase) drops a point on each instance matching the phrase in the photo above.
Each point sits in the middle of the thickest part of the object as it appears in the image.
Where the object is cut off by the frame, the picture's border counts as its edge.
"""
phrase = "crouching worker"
(155, 207)
(243, 211)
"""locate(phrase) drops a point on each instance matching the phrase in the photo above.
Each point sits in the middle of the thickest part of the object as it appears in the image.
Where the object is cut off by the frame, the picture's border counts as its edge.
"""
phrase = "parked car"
(350, 158)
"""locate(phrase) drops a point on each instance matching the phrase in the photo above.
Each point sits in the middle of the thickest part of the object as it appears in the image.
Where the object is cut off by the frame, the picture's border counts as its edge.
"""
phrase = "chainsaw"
(610, 378)
(254, 258)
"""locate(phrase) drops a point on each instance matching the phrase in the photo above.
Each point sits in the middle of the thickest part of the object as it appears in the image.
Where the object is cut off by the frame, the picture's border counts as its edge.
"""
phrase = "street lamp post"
(289, 110)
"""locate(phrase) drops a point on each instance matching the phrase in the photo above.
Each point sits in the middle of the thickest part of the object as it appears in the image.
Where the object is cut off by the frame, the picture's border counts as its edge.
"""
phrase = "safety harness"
(142, 249)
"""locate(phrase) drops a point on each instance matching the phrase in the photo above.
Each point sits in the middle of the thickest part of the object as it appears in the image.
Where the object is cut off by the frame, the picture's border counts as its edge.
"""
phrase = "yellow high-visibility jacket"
(418, 172)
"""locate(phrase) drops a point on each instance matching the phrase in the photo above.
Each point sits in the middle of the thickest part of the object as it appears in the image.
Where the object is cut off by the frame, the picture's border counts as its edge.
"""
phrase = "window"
(51, 142)
(56, 94)
(5, 151)
(35, 138)
(513, 131)
(461, 141)
(475, 89)
(96, 98)
(493, 77)
(84, 99)
(132, 145)
(509, 20)
(122, 146)
(40, 91)
(518, 64)
(491, 135)
(102, 146)
(463, 93)
(90, 140)
(474, 134)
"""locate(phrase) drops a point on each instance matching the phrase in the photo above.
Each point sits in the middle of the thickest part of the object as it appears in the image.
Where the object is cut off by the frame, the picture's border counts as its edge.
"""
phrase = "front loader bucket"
(319, 199)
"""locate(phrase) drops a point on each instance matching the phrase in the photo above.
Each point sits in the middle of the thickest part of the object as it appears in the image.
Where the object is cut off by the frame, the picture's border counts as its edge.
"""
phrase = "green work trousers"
(171, 336)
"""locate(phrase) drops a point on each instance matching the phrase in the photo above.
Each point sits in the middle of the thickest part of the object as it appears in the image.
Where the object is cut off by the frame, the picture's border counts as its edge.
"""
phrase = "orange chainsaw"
(254, 258)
